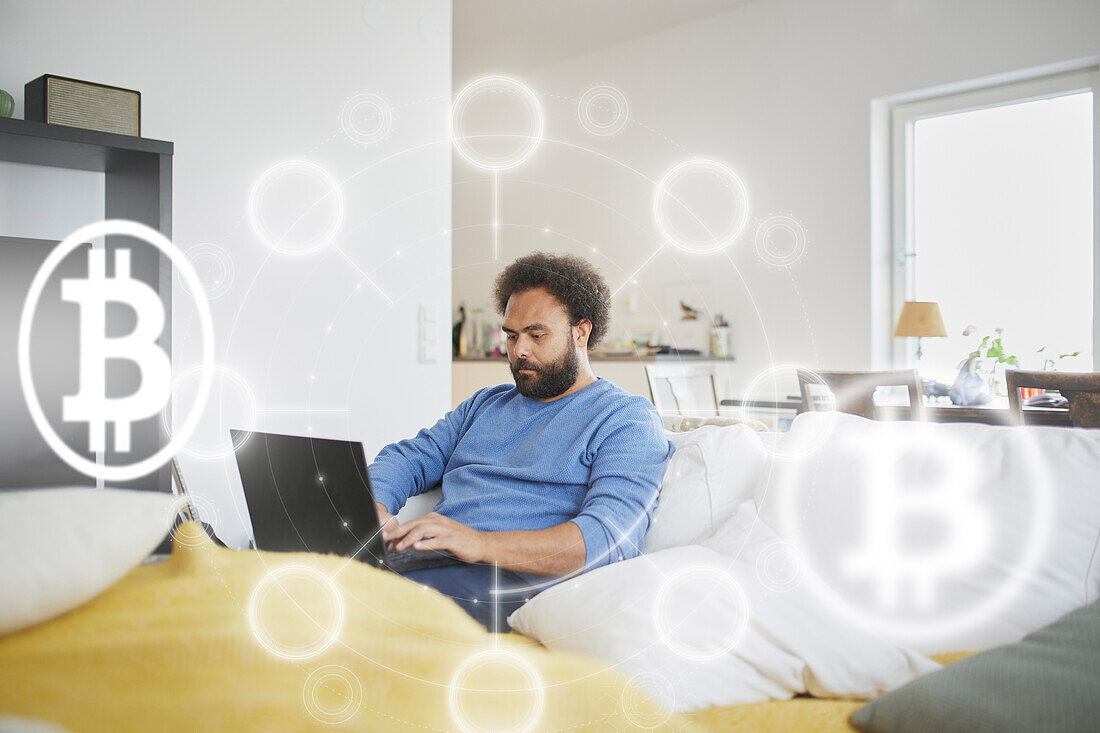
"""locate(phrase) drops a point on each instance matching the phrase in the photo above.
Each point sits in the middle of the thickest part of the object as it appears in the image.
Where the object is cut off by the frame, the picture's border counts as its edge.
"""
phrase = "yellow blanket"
(216, 640)
(184, 646)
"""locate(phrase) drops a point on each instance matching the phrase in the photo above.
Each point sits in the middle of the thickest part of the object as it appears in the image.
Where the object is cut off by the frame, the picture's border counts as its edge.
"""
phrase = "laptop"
(308, 494)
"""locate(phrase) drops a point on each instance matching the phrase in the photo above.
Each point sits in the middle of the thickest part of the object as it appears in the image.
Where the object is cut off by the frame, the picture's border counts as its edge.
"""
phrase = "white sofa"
(831, 559)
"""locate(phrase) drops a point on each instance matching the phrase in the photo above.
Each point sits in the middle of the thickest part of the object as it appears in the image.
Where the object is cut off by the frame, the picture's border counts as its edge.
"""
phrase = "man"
(554, 475)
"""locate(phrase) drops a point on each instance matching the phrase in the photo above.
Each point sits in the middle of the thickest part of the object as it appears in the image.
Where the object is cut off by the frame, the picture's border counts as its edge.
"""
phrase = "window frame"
(902, 116)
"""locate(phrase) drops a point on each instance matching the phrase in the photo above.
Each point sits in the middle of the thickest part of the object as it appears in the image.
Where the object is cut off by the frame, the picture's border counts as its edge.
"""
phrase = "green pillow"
(1049, 682)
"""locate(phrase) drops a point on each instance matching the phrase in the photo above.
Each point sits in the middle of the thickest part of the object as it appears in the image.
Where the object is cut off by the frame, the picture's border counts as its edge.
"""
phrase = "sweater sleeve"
(623, 488)
(415, 465)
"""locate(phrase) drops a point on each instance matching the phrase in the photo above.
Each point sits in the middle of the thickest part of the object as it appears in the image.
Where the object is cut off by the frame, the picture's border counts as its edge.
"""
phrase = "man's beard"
(549, 380)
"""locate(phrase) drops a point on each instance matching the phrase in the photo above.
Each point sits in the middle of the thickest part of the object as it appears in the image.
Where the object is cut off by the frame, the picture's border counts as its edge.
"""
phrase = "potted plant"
(991, 359)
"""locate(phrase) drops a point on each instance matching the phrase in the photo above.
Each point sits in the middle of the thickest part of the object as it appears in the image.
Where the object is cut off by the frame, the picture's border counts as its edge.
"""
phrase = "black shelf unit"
(138, 186)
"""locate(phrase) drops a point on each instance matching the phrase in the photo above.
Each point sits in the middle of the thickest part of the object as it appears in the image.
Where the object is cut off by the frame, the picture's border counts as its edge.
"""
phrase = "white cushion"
(62, 547)
(990, 532)
(675, 621)
(712, 471)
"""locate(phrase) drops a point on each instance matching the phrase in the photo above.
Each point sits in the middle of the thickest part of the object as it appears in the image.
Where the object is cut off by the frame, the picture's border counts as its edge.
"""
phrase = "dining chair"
(854, 392)
(683, 389)
(1081, 390)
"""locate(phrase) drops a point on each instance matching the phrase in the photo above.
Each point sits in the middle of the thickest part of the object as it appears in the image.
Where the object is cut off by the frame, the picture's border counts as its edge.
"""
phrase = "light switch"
(427, 352)
(428, 334)
(428, 314)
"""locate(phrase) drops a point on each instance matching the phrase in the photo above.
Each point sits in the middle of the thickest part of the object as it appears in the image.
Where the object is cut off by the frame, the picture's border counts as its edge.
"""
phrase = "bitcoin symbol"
(91, 404)
(897, 499)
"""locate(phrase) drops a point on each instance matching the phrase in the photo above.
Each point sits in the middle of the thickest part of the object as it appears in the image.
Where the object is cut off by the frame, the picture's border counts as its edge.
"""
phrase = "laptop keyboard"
(413, 559)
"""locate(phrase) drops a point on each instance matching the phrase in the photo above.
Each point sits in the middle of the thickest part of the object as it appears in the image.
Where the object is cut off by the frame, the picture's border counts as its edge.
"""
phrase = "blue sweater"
(508, 462)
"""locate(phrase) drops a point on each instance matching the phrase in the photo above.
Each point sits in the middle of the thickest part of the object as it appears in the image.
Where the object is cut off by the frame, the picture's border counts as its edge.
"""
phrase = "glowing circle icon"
(639, 696)
(594, 102)
(529, 140)
(496, 690)
(98, 409)
(674, 627)
(323, 201)
(278, 604)
(780, 567)
(666, 202)
(214, 267)
(366, 118)
(232, 405)
(332, 694)
(780, 240)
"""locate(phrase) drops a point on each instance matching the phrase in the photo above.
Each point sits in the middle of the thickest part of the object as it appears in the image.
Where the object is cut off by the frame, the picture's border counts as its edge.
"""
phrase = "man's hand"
(436, 532)
(387, 522)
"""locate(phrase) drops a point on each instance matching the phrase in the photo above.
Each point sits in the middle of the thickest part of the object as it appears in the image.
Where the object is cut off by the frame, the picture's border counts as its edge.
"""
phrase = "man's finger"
(409, 539)
(389, 527)
(424, 531)
(431, 543)
(396, 533)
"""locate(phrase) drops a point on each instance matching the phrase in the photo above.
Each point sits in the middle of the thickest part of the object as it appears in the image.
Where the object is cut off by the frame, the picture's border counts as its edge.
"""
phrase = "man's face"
(542, 346)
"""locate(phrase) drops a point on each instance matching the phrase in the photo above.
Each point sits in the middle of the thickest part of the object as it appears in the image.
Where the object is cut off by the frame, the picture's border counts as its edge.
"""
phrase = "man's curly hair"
(573, 281)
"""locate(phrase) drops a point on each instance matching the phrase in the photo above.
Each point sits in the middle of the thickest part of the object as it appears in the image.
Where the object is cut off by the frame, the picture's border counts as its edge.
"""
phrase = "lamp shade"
(920, 319)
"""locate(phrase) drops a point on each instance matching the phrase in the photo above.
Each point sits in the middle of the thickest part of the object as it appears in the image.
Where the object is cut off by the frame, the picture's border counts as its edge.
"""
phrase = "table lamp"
(920, 319)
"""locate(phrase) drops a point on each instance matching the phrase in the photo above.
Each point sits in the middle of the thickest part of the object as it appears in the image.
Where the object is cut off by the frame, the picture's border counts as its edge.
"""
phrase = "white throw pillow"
(941, 536)
(62, 547)
(712, 471)
(675, 621)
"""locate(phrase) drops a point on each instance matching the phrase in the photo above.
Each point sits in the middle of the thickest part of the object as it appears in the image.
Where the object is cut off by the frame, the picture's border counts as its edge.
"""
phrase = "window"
(993, 219)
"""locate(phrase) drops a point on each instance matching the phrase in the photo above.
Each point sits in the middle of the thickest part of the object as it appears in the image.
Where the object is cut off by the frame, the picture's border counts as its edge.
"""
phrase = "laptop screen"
(308, 495)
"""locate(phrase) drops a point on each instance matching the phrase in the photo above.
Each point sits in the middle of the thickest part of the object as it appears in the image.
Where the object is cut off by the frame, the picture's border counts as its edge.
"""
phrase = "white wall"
(780, 90)
(240, 86)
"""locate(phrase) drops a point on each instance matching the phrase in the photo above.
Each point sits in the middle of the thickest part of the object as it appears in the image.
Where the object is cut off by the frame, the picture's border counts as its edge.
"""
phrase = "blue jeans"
(471, 587)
